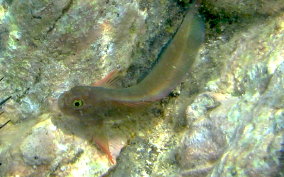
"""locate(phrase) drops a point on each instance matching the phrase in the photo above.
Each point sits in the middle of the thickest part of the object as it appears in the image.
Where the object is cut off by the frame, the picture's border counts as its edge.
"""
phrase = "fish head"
(79, 102)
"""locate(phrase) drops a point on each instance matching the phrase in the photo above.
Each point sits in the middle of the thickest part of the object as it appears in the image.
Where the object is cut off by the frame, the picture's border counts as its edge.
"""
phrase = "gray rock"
(37, 149)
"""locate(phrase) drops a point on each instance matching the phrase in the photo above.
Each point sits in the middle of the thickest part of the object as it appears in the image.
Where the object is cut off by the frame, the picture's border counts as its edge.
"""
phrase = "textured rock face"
(244, 8)
(225, 119)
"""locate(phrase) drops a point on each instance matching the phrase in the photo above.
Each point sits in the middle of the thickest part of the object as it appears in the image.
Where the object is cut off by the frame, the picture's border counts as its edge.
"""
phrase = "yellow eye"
(78, 103)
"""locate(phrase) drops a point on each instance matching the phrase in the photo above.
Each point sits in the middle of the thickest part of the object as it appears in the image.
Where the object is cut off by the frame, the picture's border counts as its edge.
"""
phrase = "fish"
(101, 101)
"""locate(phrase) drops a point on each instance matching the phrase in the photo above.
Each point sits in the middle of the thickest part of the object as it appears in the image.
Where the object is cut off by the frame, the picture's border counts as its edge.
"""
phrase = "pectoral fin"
(102, 143)
(100, 138)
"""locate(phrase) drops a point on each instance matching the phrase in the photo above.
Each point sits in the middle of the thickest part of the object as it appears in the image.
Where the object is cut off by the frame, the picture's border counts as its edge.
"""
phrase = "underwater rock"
(225, 119)
(43, 149)
(234, 8)
(248, 116)
(204, 142)
(35, 19)
(37, 148)
(3, 122)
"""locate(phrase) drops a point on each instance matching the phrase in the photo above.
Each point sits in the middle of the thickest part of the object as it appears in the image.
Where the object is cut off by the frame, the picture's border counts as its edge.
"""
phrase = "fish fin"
(109, 80)
(101, 140)
(103, 145)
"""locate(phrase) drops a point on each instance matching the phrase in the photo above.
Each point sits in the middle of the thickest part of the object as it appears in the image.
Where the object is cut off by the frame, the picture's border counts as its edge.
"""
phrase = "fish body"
(174, 63)
(94, 104)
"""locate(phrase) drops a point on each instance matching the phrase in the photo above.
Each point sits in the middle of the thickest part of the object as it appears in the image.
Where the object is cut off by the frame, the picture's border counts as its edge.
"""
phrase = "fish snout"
(61, 101)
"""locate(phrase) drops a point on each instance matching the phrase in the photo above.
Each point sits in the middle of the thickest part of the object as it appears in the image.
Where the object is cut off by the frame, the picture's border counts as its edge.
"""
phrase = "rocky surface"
(244, 8)
(225, 119)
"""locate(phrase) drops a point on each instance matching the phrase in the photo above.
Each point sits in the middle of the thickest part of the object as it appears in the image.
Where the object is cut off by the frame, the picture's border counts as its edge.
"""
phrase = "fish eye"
(78, 103)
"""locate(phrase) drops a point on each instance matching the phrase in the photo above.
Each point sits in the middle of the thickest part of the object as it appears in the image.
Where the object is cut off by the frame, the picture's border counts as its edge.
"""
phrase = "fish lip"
(61, 101)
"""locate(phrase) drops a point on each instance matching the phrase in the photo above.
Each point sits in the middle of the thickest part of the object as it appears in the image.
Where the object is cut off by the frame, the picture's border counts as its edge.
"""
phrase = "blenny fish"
(100, 102)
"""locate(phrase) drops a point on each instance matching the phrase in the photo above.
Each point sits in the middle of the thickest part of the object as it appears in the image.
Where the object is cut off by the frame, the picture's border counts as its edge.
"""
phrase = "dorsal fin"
(109, 80)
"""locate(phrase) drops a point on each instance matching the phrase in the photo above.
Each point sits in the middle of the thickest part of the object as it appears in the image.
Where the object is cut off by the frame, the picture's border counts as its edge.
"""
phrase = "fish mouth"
(61, 101)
